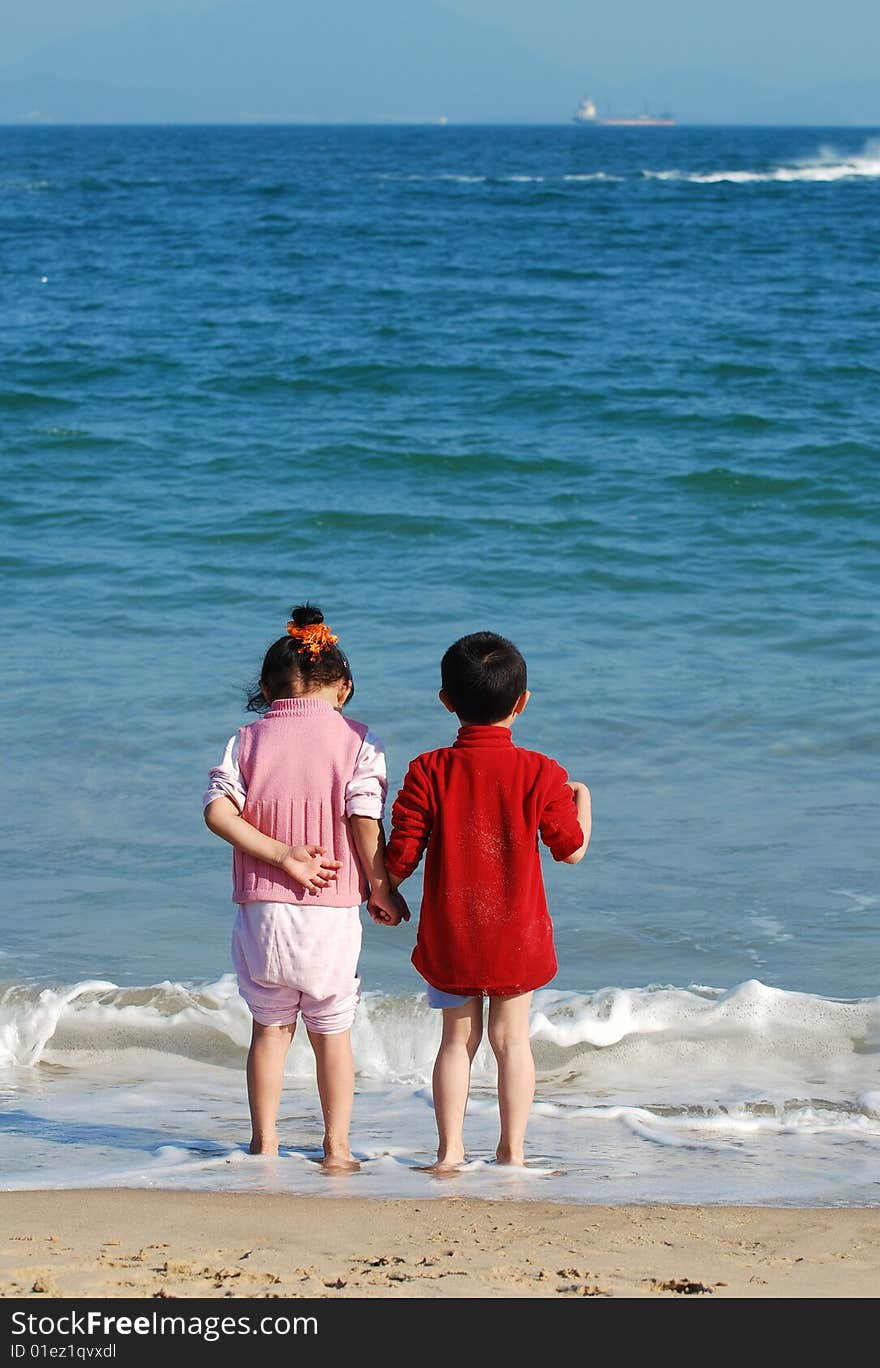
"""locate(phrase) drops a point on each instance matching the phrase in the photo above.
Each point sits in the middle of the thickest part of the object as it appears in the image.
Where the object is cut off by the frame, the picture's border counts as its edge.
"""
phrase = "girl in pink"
(300, 796)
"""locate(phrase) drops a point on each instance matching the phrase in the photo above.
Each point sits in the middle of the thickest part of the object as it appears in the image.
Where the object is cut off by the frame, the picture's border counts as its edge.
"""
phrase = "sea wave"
(581, 1039)
(828, 164)
(748, 1094)
(705, 1127)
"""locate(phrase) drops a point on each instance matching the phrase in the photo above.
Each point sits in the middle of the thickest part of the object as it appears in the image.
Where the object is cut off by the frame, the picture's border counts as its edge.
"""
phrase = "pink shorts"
(292, 958)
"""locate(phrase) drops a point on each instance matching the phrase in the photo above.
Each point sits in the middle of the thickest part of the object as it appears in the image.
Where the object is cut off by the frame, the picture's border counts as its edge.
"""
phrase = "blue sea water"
(611, 392)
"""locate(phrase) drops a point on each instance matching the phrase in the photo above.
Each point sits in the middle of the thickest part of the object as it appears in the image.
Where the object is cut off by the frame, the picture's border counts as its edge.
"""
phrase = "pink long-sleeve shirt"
(297, 774)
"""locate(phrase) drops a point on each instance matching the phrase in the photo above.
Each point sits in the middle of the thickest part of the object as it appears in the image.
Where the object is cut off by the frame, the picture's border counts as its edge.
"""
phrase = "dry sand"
(136, 1243)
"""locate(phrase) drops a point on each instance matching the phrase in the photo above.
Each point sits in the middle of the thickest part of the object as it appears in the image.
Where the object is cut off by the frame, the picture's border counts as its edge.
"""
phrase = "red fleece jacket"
(479, 807)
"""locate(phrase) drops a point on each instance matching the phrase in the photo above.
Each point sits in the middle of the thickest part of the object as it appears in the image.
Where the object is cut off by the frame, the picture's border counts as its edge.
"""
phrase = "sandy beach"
(135, 1243)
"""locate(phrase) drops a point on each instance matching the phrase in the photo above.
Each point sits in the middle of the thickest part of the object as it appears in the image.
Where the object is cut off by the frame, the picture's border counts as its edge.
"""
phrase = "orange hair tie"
(316, 638)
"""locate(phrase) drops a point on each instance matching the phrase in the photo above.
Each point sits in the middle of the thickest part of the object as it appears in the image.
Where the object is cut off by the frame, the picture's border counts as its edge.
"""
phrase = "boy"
(478, 807)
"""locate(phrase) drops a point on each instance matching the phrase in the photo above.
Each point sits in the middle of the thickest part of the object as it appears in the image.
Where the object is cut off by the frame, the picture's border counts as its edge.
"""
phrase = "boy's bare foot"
(447, 1163)
(337, 1156)
(339, 1163)
(505, 1155)
(264, 1144)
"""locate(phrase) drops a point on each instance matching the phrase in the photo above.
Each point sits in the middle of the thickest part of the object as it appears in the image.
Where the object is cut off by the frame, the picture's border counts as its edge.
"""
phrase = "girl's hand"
(387, 907)
(309, 866)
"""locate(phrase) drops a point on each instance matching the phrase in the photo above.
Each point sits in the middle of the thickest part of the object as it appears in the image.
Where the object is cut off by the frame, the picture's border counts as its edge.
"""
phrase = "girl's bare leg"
(334, 1065)
(265, 1078)
(462, 1033)
(509, 1039)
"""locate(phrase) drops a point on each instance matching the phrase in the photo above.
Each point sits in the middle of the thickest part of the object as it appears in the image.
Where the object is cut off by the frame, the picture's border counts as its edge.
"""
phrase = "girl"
(300, 795)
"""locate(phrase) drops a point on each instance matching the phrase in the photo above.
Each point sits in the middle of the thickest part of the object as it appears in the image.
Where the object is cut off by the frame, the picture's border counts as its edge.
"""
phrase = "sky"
(374, 61)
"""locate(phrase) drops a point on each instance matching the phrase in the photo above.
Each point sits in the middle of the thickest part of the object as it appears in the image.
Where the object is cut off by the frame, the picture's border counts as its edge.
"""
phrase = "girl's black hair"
(288, 668)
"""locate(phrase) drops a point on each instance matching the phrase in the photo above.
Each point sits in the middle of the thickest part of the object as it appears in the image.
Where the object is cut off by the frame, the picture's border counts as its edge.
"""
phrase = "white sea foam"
(516, 178)
(29, 1019)
(863, 902)
(828, 164)
(686, 1126)
(759, 1019)
(455, 177)
(592, 176)
(15, 185)
(606, 1038)
(656, 1093)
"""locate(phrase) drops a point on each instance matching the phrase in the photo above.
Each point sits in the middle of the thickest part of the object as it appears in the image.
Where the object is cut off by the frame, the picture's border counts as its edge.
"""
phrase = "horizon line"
(439, 123)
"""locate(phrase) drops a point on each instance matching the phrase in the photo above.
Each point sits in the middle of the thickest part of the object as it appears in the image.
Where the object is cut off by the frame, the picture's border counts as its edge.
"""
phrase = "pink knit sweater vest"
(296, 762)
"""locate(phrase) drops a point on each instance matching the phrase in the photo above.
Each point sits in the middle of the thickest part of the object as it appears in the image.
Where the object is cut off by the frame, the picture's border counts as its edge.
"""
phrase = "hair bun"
(306, 615)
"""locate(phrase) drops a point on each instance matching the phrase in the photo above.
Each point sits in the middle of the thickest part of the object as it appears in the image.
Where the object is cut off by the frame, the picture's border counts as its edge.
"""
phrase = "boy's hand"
(309, 866)
(387, 907)
(583, 804)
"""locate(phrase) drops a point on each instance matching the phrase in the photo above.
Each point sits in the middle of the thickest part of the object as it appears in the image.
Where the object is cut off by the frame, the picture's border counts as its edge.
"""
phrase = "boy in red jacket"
(478, 807)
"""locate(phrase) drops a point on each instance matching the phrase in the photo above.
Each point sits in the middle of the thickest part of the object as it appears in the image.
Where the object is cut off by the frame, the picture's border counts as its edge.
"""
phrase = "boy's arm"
(411, 822)
(584, 807)
(306, 865)
(385, 904)
(566, 821)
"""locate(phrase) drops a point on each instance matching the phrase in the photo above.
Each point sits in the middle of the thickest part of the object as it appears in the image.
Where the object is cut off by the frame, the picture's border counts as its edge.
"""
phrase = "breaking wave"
(828, 164)
(605, 1038)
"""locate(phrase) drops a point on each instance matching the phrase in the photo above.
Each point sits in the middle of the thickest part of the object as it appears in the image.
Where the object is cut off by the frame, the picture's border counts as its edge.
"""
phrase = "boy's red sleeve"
(559, 826)
(411, 822)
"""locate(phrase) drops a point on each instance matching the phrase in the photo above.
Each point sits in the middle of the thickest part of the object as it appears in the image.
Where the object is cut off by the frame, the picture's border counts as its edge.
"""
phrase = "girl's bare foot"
(505, 1155)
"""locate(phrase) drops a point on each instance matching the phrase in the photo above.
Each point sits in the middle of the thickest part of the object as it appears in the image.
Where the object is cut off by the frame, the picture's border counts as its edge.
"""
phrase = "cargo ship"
(587, 113)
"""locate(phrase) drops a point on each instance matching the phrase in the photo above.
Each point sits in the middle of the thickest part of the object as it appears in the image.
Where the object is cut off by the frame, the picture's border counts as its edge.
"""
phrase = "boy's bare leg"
(334, 1065)
(265, 1077)
(462, 1033)
(509, 1038)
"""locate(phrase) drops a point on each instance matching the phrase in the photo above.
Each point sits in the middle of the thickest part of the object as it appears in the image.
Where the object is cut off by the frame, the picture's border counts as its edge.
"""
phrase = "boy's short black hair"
(483, 675)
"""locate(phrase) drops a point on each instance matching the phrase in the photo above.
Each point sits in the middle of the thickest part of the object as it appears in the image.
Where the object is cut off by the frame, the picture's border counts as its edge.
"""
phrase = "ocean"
(610, 392)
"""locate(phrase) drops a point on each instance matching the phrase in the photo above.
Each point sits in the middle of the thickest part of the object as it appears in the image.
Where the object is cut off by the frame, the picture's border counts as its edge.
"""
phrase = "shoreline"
(135, 1242)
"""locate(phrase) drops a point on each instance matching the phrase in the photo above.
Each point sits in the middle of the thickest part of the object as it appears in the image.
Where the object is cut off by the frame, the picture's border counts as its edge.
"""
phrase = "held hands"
(309, 866)
(387, 907)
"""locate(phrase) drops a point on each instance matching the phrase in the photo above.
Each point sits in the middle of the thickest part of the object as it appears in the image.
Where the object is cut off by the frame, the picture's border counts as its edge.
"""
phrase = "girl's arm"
(384, 904)
(223, 803)
(364, 806)
(306, 865)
